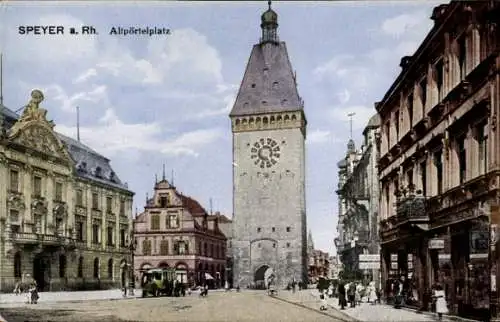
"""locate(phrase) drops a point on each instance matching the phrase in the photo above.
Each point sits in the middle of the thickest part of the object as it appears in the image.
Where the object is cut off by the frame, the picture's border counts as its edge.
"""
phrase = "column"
(69, 190)
(25, 189)
(88, 206)
(49, 197)
(423, 283)
(385, 265)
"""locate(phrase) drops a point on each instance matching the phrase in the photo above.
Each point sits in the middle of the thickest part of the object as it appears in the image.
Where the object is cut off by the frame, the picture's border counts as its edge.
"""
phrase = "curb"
(347, 318)
(445, 316)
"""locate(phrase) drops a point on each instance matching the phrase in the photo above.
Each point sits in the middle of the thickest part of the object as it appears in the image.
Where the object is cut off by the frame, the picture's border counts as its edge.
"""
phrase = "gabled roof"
(269, 82)
(87, 161)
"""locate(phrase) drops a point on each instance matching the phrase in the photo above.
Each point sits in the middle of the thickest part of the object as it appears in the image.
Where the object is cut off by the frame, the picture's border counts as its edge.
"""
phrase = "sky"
(147, 101)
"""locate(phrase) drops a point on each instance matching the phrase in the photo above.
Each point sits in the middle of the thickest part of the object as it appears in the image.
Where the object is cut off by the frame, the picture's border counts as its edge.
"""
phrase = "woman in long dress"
(372, 293)
(441, 305)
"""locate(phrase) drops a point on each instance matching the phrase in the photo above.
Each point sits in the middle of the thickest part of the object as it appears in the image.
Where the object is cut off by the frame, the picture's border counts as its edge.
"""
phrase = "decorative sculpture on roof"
(32, 112)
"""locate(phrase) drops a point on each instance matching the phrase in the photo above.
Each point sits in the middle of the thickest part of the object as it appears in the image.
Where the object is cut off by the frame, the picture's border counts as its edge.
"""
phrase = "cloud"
(68, 102)
(318, 136)
(360, 118)
(111, 136)
(407, 25)
(86, 75)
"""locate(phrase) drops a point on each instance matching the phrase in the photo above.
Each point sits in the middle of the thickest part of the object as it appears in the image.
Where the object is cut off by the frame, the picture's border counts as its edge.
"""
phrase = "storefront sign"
(369, 258)
(369, 265)
(436, 243)
(478, 256)
(444, 257)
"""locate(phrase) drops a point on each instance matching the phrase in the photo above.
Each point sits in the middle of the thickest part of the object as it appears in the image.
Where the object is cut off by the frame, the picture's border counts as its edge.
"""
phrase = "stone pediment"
(34, 131)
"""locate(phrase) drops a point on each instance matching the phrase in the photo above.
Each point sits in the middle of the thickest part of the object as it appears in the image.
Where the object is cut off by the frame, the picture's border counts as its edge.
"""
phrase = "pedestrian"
(351, 294)
(341, 291)
(441, 305)
(322, 298)
(372, 293)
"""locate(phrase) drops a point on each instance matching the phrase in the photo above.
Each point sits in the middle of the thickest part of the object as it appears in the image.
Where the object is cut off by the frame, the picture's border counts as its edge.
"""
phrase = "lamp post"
(132, 277)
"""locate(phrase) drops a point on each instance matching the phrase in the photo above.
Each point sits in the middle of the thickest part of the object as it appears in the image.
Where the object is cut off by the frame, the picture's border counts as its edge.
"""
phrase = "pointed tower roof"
(310, 243)
(269, 84)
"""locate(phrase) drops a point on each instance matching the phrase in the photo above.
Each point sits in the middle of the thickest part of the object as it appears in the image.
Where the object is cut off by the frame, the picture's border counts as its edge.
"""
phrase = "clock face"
(265, 153)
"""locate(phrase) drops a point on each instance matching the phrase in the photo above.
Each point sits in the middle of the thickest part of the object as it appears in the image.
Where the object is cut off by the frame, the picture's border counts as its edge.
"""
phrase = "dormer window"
(112, 176)
(98, 172)
(82, 166)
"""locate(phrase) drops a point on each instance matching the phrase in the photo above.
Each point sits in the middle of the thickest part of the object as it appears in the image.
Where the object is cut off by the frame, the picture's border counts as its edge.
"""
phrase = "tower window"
(258, 229)
(273, 229)
(274, 245)
(287, 245)
(288, 229)
(253, 85)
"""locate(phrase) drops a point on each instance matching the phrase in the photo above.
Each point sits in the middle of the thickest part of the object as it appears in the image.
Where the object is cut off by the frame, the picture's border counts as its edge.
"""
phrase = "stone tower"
(269, 131)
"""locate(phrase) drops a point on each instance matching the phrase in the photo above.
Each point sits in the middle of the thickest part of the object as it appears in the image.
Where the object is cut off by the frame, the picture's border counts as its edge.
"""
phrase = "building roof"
(192, 206)
(268, 84)
(89, 164)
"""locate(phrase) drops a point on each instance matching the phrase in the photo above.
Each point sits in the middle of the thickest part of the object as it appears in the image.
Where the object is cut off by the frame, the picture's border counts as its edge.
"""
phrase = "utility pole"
(350, 115)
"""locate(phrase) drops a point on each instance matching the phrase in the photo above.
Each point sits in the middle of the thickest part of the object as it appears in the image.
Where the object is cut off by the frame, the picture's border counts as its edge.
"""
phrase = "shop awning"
(209, 277)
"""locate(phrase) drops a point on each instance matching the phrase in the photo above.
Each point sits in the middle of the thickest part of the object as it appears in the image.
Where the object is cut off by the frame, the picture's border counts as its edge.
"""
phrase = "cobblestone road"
(218, 306)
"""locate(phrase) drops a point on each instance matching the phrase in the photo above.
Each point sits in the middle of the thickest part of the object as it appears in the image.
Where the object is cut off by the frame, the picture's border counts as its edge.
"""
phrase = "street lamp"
(132, 245)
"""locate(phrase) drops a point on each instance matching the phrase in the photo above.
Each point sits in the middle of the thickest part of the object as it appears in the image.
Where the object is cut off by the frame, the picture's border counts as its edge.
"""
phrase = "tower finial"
(78, 123)
(172, 177)
(269, 25)
(156, 178)
(269, 4)
(163, 175)
(350, 115)
(1, 78)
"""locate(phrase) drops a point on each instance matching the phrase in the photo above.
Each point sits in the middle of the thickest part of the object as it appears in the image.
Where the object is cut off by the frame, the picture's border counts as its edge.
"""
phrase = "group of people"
(27, 285)
(351, 293)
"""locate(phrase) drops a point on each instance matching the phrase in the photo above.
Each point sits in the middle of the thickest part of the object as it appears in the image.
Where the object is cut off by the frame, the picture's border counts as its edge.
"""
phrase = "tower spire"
(172, 177)
(163, 175)
(1, 78)
(156, 178)
(269, 25)
(78, 123)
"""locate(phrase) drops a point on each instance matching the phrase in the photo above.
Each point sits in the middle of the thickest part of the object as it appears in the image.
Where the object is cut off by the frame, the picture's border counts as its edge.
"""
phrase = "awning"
(209, 277)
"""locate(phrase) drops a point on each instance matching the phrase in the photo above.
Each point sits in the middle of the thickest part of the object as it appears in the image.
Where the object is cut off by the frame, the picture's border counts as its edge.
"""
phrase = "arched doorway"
(163, 265)
(41, 269)
(261, 276)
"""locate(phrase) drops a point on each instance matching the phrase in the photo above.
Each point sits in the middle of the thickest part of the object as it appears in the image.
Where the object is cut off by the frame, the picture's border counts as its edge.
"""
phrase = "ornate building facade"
(269, 130)
(319, 265)
(65, 216)
(175, 231)
(358, 195)
(440, 161)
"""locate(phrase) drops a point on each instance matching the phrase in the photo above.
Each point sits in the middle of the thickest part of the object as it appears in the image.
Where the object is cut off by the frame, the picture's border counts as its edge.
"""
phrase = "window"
(273, 229)
(14, 180)
(388, 199)
(288, 245)
(95, 200)
(200, 249)
(80, 267)
(59, 226)
(423, 92)
(212, 252)
(164, 247)
(109, 204)
(409, 105)
(110, 236)
(462, 55)
(462, 158)
(438, 163)
(288, 229)
(95, 233)
(387, 134)
(79, 198)
(482, 140)
(79, 230)
(96, 268)
(396, 123)
(62, 266)
(423, 177)
(180, 248)
(172, 221)
(59, 191)
(439, 69)
(163, 202)
(205, 249)
(155, 222)
(258, 229)
(110, 268)
(122, 207)
(146, 247)
(37, 186)
(122, 237)
(409, 178)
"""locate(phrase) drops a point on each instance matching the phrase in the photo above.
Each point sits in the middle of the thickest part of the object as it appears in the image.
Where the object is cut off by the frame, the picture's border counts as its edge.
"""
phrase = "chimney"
(405, 62)
(438, 13)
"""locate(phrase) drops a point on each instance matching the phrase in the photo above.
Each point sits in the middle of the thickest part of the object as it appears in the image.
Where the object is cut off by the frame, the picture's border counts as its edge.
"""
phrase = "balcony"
(24, 238)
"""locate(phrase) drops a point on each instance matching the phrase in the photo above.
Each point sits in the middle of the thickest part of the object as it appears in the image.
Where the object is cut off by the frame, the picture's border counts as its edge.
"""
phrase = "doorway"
(41, 267)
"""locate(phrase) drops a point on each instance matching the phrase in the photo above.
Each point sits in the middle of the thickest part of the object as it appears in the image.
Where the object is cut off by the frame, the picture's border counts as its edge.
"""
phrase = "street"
(217, 306)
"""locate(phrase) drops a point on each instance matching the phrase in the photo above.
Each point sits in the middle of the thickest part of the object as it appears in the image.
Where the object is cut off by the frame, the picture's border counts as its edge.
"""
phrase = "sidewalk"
(363, 312)
(47, 297)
